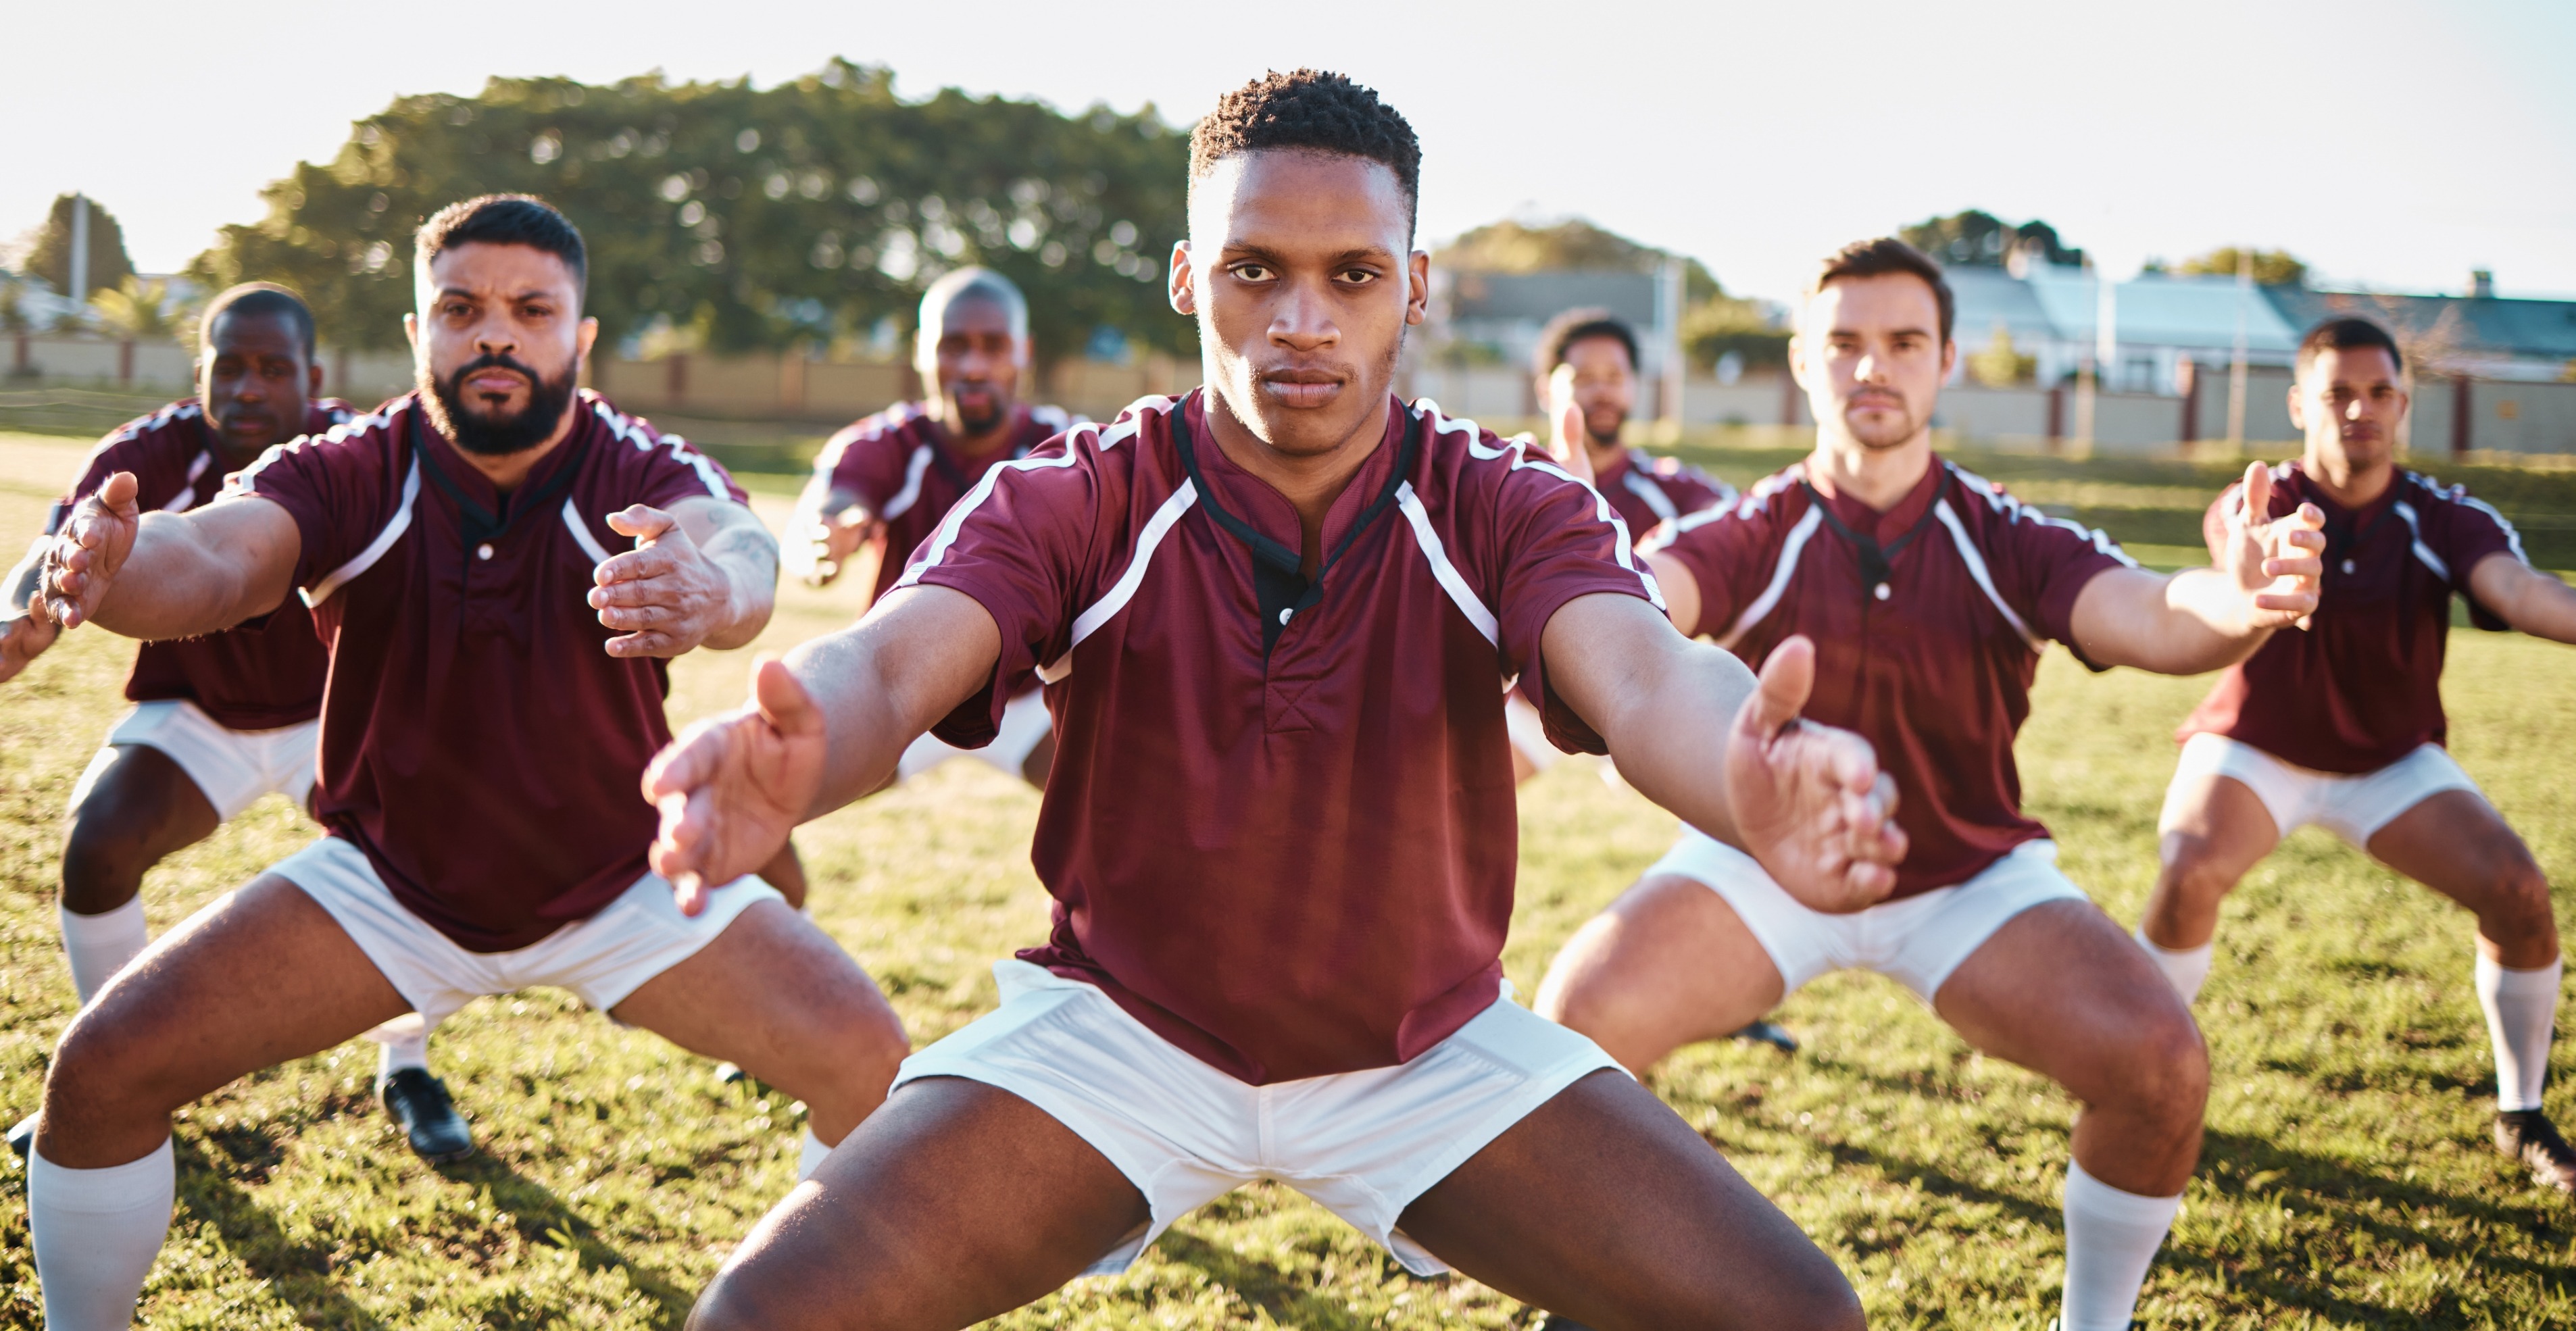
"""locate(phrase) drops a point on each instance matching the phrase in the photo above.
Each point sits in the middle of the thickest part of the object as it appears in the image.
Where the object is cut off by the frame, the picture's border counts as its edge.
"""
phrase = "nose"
(1303, 320)
(1869, 370)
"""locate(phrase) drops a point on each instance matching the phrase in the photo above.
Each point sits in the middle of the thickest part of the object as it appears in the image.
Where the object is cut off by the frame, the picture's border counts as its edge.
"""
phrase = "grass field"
(2346, 1180)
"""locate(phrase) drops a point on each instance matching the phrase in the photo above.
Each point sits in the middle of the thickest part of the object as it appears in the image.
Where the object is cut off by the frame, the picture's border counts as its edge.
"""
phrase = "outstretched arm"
(2207, 618)
(1695, 732)
(702, 574)
(831, 523)
(168, 575)
(24, 634)
(2535, 602)
(824, 726)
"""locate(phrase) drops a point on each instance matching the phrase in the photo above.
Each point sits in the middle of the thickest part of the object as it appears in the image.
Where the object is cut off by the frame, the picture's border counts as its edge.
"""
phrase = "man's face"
(973, 362)
(1301, 272)
(1596, 375)
(497, 345)
(1870, 355)
(2348, 403)
(255, 380)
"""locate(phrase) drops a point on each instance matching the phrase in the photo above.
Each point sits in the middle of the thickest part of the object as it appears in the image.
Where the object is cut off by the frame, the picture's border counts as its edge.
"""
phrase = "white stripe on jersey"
(321, 591)
(2415, 532)
(1644, 487)
(2014, 509)
(910, 494)
(1442, 571)
(1518, 452)
(1976, 562)
(2459, 494)
(1781, 571)
(581, 532)
(1123, 590)
(622, 427)
(187, 497)
(946, 534)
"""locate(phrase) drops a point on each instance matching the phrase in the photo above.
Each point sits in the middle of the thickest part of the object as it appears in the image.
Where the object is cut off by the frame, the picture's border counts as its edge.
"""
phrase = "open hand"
(2278, 562)
(23, 639)
(733, 786)
(665, 595)
(1809, 800)
(823, 550)
(1569, 439)
(87, 553)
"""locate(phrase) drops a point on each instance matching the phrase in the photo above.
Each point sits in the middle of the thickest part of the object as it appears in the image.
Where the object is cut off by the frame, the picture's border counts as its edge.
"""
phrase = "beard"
(1600, 439)
(977, 423)
(491, 436)
(1890, 428)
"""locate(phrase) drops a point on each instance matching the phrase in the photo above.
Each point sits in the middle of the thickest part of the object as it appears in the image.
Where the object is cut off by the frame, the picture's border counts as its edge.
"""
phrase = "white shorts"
(2353, 807)
(1024, 723)
(1916, 942)
(1361, 1144)
(601, 959)
(231, 767)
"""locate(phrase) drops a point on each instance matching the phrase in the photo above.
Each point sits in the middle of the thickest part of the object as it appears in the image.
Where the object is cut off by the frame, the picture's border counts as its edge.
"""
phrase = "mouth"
(494, 384)
(1302, 389)
(248, 425)
(1876, 402)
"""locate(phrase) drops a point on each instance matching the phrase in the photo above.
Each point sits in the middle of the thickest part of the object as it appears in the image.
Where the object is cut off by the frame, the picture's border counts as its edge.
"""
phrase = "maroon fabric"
(257, 676)
(1637, 481)
(2362, 687)
(478, 741)
(1936, 675)
(891, 461)
(1299, 865)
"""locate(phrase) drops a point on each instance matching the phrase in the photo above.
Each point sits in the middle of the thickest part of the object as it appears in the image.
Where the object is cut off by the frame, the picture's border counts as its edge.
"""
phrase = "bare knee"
(2195, 871)
(2164, 1071)
(105, 1086)
(737, 1301)
(2521, 908)
(103, 864)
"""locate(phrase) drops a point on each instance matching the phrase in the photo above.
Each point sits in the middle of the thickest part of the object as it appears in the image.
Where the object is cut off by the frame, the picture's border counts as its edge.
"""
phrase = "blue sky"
(2390, 145)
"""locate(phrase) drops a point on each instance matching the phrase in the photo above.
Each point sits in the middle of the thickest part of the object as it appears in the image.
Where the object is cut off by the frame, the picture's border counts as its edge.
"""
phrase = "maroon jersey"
(257, 676)
(1280, 827)
(1927, 637)
(904, 471)
(2362, 687)
(478, 742)
(1650, 491)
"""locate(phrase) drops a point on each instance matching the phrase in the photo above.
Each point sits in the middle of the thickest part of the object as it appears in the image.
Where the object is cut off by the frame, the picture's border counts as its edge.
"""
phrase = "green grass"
(2346, 1181)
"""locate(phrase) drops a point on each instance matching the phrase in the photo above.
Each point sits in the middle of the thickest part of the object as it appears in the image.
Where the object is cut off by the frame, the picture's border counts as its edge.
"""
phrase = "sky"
(2391, 146)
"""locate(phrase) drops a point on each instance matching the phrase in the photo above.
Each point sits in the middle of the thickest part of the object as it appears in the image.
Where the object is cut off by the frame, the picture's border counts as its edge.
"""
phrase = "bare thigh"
(1667, 964)
(258, 977)
(954, 1203)
(777, 996)
(2061, 991)
(1603, 1205)
(2219, 829)
(2457, 844)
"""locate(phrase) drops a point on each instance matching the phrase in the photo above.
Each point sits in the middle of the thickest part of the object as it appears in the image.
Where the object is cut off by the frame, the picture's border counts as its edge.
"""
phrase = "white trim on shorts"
(232, 768)
(601, 959)
(2353, 806)
(1024, 722)
(1917, 942)
(1362, 1144)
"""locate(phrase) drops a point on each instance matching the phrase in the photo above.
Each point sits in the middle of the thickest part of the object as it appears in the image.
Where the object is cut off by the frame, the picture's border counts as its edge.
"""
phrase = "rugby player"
(881, 486)
(2343, 727)
(217, 721)
(496, 686)
(1587, 386)
(1280, 829)
(1928, 594)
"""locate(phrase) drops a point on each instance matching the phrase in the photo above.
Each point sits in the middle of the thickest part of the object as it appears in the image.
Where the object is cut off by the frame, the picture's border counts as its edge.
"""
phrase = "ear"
(411, 334)
(1182, 291)
(313, 380)
(2298, 412)
(1798, 360)
(1949, 358)
(585, 336)
(1417, 296)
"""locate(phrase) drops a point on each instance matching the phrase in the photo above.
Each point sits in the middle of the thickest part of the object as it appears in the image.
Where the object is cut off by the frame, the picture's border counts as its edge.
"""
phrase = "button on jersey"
(900, 465)
(256, 676)
(2362, 687)
(478, 741)
(1930, 658)
(1286, 846)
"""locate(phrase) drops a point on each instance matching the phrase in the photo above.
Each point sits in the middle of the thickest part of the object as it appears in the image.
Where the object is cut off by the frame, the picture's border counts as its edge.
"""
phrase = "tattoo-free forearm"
(193, 574)
(1662, 702)
(2194, 621)
(883, 681)
(2535, 602)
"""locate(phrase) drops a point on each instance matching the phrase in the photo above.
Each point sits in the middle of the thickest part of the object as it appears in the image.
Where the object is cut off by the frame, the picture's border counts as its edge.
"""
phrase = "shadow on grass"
(299, 1275)
(542, 1217)
(1264, 1285)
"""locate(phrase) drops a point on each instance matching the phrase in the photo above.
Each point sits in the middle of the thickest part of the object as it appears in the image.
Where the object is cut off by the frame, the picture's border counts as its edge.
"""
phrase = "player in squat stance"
(1929, 594)
(496, 687)
(219, 720)
(2343, 726)
(881, 486)
(1283, 870)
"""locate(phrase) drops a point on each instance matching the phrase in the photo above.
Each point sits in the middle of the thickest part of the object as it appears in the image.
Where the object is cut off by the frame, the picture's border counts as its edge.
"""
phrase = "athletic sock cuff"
(2520, 983)
(130, 915)
(117, 1188)
(2099, 1199)
(2140, 933)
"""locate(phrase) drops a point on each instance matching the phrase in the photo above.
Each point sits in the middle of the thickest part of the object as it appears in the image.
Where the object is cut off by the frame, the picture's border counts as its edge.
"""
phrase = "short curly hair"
(1574, 326)
(1312, 109)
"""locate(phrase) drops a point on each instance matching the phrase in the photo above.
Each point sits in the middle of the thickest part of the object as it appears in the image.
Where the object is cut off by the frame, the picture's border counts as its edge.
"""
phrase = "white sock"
(2185, 970)
(96, 1232)
(98, 946)
(2111, 1239)
(2521, 1006)
(810, 1151)
(403, 1043)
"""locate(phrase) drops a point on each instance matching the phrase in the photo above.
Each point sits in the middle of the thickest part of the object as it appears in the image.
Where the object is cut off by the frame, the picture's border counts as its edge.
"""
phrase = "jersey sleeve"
(2041, 564)
(141, 447)
(1717, 546)
(1017, 543)
(2464, 532)
(675, 470)
(339, 488)
(1558, 541)
(869, 460)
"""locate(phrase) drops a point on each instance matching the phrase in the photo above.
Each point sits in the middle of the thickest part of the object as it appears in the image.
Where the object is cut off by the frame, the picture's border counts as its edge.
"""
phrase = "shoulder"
(1679, 477)
(326, 412)
(2452, 512)
(1462, 460)
(1773, 506)
(177, 430)
(632, 454)
(1994, 517)
(895, 431)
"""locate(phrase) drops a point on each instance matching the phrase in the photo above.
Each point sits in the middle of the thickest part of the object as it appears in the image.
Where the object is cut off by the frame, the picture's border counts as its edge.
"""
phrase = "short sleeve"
(2046, 563)
(675, 470)
(1558, 543)
(868, 460)
(339, 490)
(1017, 544)
(1717, 547)
(2465, 533)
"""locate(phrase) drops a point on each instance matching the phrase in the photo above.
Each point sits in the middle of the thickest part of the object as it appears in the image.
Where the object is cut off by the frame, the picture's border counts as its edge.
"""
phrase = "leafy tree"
(1713, 322)
(2272, 268)
(138, 310)
(2001, 364)
(737, 218)
(1979, 239)
(51, 257)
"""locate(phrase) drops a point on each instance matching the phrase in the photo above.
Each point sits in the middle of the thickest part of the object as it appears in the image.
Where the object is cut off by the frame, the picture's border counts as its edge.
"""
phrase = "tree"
(2001, 365)
(138, 310)
(2272, 268)
(51, 258)
(737, 218)
(1979, 239)
(1713, 323)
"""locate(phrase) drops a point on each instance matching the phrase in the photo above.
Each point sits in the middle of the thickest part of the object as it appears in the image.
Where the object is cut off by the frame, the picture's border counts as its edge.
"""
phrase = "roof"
(2161, 309)
(2542, 330)
(1539, 297)
(1986, 297)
